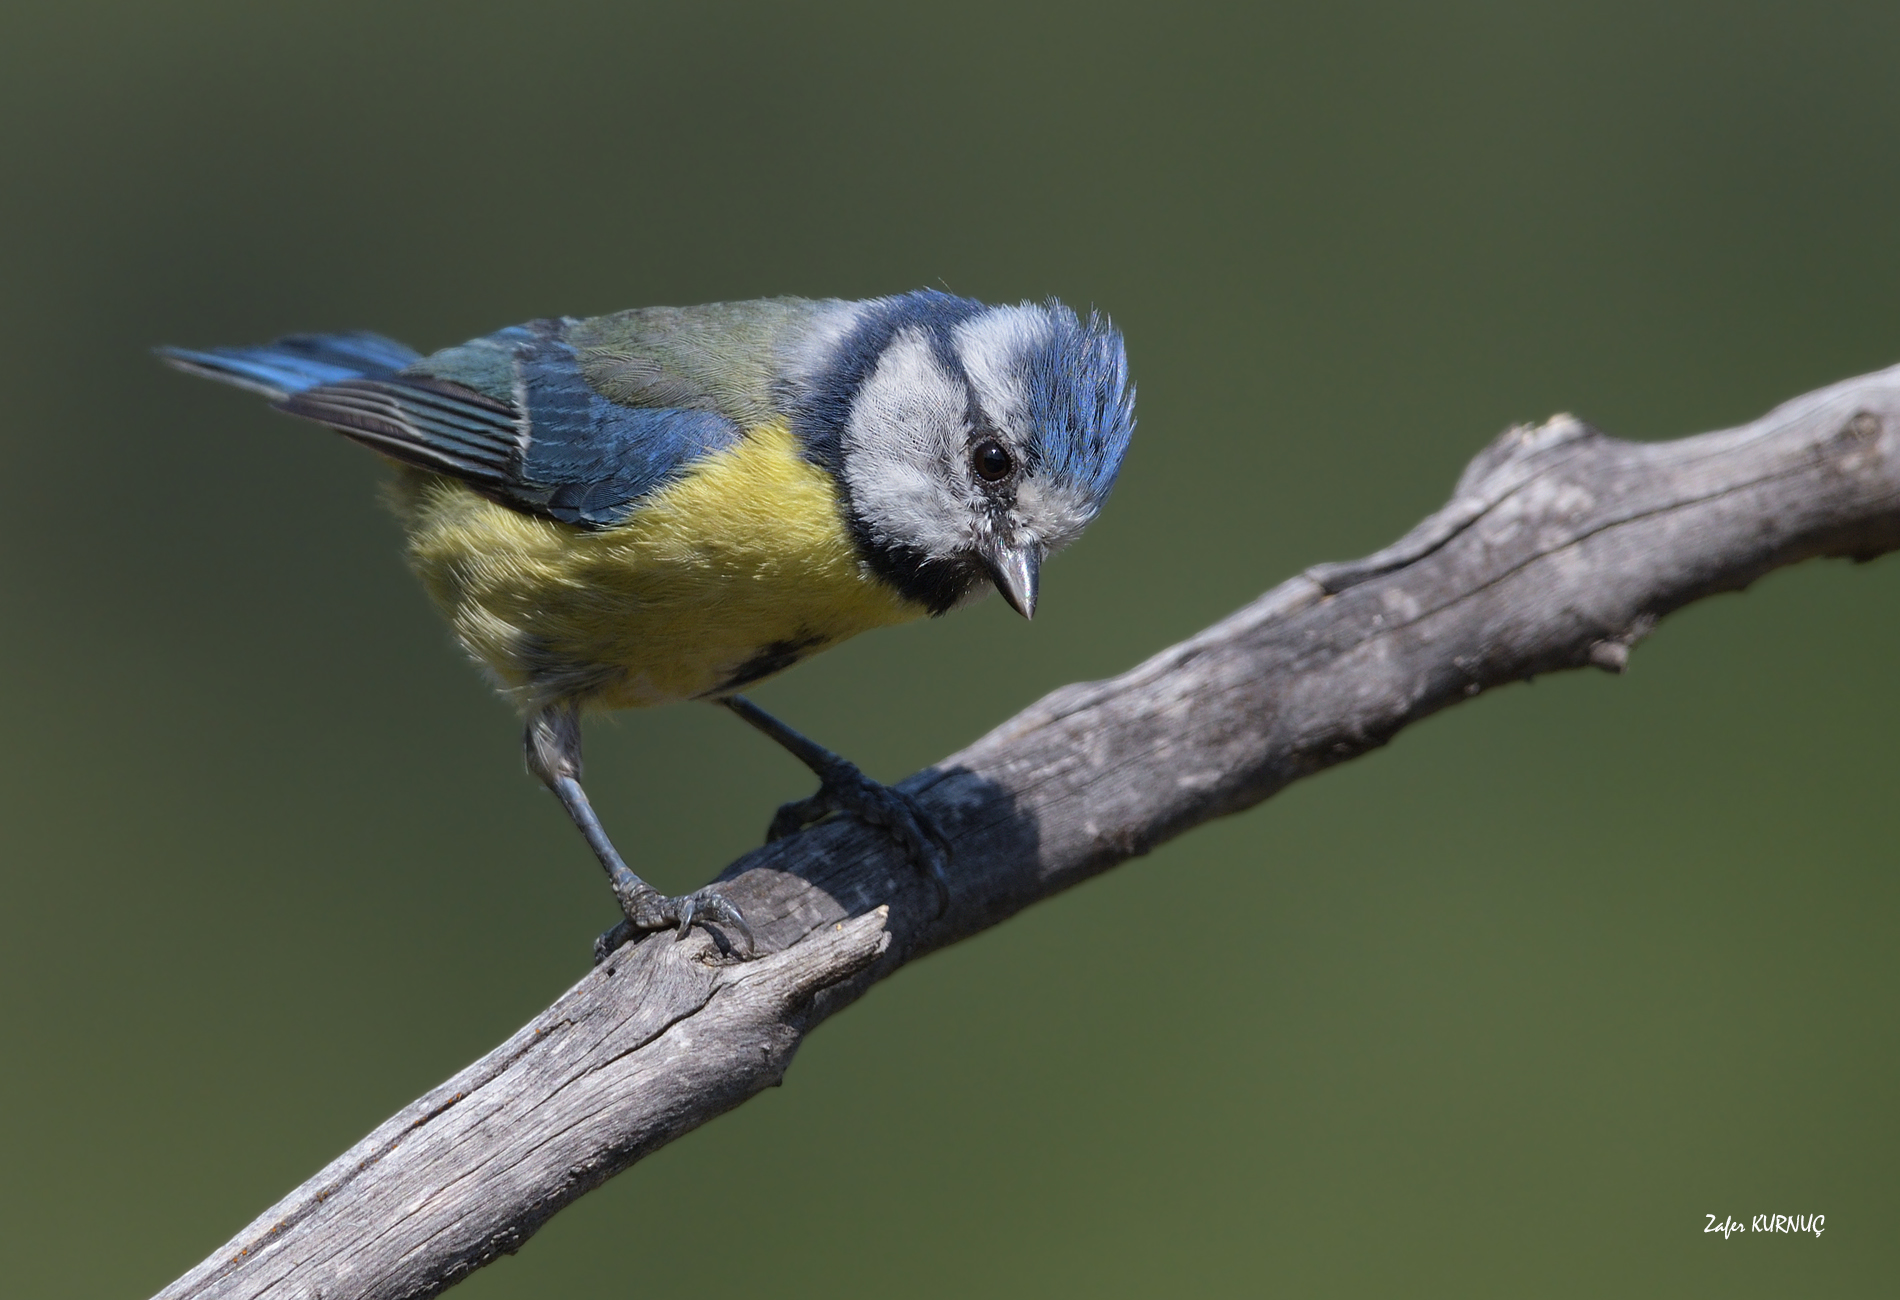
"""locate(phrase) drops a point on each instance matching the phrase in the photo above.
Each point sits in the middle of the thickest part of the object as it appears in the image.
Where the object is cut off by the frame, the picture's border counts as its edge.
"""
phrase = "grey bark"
(1560, 548)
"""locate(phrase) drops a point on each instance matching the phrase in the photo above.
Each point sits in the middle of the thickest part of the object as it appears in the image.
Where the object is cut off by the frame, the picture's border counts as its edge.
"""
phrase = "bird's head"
(977, 441)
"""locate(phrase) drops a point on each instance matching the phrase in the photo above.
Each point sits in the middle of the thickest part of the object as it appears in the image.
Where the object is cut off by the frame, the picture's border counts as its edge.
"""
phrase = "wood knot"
(1610, 656)
(1864, 426)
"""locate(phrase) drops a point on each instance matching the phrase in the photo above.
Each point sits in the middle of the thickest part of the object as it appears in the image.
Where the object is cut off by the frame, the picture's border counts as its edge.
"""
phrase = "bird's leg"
(553, 745)
(843, 788)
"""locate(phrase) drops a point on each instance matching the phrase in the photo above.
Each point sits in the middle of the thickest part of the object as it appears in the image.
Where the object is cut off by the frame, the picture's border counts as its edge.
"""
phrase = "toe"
(795, 816)
(610, 942)
(928, 846)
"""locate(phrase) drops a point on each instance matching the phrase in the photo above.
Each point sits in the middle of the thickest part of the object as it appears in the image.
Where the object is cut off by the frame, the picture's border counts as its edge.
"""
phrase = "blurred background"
(1504, 1009)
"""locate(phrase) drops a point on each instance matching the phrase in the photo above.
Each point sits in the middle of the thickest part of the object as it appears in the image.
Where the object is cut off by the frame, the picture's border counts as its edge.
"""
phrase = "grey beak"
(1015, 571)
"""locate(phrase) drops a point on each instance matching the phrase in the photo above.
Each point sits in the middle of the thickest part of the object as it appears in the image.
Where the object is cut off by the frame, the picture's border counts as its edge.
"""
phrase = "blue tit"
(674, 503)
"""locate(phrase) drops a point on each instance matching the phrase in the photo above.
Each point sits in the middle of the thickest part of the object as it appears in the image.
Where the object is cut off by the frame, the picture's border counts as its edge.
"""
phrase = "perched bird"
(674, 503)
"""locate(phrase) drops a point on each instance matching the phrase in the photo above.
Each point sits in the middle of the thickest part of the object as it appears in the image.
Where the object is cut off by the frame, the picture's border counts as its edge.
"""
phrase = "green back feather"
(718, 357)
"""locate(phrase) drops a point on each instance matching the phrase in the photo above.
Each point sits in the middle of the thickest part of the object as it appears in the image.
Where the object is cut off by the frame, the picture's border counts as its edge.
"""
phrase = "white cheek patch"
(992, 347)
(903, 444)
(1054, 513)
(995, 349)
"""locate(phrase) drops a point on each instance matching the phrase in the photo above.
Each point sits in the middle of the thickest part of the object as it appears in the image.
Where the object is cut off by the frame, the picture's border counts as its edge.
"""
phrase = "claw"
(707, 908)
(717, 908)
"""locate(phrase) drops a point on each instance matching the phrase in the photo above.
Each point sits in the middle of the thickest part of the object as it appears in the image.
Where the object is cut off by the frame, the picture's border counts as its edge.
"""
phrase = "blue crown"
(1081, 400)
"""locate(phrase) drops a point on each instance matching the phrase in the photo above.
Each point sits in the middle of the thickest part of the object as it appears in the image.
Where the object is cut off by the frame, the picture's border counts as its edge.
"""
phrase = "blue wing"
(510, 414)
(293, 364)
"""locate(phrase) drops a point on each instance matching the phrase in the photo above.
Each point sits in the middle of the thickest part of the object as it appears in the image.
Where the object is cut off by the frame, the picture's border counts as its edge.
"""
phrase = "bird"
(675, 503)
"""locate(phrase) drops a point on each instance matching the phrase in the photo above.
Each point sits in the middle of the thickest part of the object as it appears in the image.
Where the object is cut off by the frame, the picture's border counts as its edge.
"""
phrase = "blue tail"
(298, 362)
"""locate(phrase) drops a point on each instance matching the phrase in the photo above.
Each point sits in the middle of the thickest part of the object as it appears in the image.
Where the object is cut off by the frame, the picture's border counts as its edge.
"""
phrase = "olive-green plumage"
(718, 357)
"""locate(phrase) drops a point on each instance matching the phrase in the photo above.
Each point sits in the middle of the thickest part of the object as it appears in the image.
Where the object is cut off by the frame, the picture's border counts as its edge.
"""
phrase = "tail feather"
(296, 363)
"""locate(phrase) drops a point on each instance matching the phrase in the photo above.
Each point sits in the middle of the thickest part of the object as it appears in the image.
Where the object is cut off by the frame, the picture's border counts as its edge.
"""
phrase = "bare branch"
(1560, 548)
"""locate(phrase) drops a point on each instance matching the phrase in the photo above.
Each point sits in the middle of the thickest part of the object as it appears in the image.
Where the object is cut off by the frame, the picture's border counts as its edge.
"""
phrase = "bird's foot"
(647, 909)
(845, 789)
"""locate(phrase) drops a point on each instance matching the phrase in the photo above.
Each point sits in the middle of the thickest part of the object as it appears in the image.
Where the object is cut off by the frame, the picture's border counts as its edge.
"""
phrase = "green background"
(1502, 1010)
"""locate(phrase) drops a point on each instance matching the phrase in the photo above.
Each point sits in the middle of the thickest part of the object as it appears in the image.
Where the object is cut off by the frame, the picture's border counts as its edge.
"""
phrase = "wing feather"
(572, 454)
(464, 434)
(518, 415)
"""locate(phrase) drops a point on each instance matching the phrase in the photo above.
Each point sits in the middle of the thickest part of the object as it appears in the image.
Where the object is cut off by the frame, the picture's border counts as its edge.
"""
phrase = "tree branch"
(1560, 548)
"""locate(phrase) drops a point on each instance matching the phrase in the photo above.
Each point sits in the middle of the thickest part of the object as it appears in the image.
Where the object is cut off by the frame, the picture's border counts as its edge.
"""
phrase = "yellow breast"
(729, 574)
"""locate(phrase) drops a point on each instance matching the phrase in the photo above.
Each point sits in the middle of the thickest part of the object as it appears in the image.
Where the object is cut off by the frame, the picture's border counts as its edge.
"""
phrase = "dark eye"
(992, 462)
